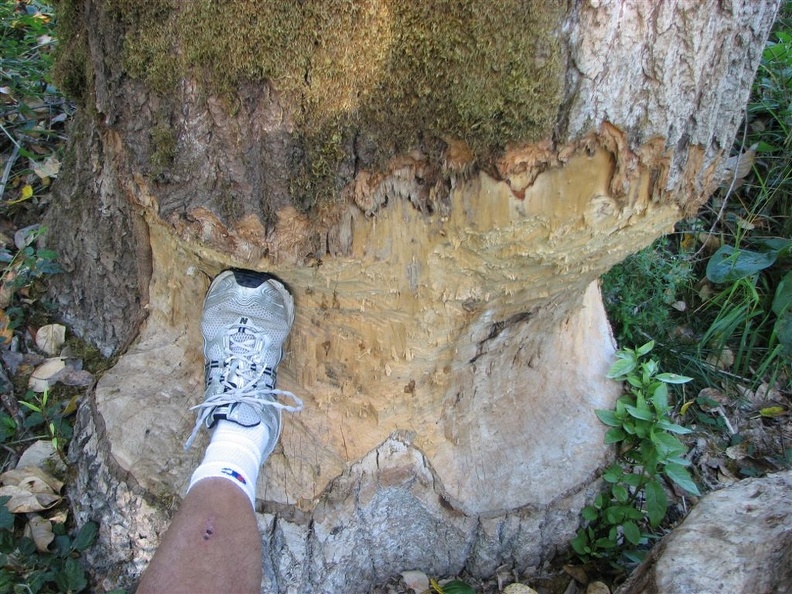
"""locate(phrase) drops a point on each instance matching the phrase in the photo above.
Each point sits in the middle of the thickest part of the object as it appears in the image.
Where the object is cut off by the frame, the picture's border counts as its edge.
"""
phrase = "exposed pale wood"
(450, 343)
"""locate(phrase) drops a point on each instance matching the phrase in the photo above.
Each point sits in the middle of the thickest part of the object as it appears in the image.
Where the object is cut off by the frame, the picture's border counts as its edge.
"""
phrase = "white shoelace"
(239, 363)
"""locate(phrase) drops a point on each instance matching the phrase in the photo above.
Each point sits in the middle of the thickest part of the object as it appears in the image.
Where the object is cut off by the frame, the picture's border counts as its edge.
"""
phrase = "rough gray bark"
(450, 343)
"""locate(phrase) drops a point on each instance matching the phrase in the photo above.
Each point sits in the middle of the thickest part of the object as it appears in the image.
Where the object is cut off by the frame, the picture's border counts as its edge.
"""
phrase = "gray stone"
(738, 539)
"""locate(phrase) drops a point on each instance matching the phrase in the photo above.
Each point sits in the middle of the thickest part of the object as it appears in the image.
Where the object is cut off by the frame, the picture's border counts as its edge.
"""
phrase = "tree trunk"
(441, 185)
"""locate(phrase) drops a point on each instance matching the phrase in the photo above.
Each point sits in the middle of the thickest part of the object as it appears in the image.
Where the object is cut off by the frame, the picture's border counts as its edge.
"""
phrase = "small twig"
(7, 171)
(723, 416)
(11, 138)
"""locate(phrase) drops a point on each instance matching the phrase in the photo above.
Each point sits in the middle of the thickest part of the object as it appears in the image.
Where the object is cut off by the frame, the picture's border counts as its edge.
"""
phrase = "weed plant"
(624, 519)
(32, 115)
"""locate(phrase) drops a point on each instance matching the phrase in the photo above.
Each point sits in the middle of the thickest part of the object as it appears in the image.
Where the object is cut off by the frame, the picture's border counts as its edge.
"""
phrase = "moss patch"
(163, 137)
(395, 73)
(72, 72)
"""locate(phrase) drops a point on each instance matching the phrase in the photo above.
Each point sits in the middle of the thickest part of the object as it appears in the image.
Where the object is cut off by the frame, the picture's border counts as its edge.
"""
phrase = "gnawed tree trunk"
(441, 185)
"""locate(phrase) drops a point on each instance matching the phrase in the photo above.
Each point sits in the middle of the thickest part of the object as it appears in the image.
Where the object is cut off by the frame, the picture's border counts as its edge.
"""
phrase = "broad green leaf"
(589, 513)
(668, 445)
(634, 381)
(614, 515)
(620, 493)
(644, 349)
(608, 417)
(782, 301)
(681, 477)
(75, 576)
(772, 411)
(642, 413)
(631, 513)
(783, 330)
(656, 502)
(457, 587)
(580, 543)
(660, 399)
(631, 532)
(673, 378)
(673, 427)
(642, 429)
(772, 244)
(615, 435)
(731, 264)
(614, 474)
(621, 368)
(605, 543)
(6, 517)
(765, 147)
(632, 479)
(636, 557)
(85, 537)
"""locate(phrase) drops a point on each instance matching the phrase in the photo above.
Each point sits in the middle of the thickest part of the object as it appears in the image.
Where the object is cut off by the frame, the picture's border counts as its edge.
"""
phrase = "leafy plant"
(23, 569)
(48, 415)
(626, 516)
(753, 310)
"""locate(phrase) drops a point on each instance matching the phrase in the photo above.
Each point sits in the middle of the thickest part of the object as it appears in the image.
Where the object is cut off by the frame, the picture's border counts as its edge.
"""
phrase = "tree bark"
(441, 188)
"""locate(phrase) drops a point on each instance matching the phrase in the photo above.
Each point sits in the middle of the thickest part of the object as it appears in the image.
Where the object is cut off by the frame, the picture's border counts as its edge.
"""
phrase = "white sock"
(234, 453)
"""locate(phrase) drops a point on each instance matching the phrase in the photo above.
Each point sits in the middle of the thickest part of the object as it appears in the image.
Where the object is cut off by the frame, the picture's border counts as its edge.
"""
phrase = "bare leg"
(212, 546)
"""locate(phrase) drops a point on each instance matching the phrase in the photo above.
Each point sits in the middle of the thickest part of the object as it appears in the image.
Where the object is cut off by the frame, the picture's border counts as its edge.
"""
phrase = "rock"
(518, 589)
(738, 539)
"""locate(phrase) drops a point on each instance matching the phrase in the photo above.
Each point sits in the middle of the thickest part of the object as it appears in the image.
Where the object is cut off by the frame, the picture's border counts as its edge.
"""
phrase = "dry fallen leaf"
(49, 168)
(6, 333)
(39, 530)
(715, 395)
(577, 572)
(23, 501)
(40, 379)
(32, 478)
(723, 360)
(416, 581)
(42, 454)
(737, 452)
(50, 338)
(7, 288)
(738, 167)
(597, 588)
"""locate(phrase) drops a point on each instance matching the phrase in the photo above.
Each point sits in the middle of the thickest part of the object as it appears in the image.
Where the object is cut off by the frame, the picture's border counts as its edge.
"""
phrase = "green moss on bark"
(73, 70)
(396, 73)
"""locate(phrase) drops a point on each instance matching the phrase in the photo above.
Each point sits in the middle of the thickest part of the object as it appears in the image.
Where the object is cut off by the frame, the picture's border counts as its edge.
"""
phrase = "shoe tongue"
(242, 342)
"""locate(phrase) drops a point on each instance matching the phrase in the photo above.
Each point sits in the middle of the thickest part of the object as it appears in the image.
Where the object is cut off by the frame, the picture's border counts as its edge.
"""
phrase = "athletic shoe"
(247, 317)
